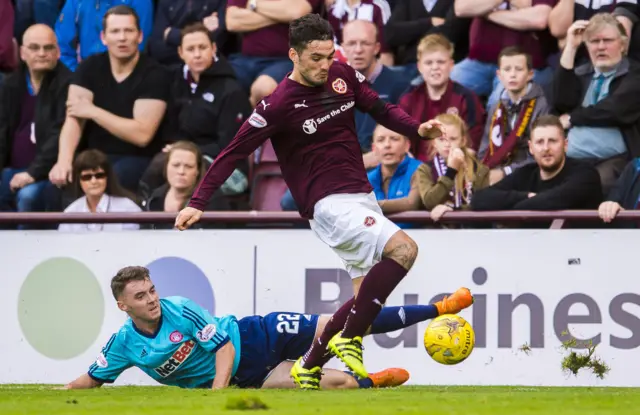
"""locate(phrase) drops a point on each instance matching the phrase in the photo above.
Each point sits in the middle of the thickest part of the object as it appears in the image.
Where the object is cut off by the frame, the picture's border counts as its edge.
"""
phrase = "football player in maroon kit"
(310, 121)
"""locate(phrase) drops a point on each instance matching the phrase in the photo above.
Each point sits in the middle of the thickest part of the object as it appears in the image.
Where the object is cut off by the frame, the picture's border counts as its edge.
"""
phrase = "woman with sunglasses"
(101, 193)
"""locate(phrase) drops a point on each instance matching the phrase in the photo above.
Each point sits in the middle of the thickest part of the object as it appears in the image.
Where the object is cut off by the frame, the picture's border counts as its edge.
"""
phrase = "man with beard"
(553, 182)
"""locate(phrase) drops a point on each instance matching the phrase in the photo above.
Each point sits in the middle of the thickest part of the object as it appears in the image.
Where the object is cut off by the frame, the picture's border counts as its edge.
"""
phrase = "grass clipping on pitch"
(575, 361)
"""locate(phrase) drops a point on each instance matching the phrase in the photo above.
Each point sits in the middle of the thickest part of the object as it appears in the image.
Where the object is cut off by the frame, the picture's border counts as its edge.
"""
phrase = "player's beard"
(310, 80)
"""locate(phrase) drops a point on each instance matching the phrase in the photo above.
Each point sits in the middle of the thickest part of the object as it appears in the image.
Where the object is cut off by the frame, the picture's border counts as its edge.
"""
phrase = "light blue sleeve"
(144, 8)
(67, 34)
(203, 327)
(111, 361)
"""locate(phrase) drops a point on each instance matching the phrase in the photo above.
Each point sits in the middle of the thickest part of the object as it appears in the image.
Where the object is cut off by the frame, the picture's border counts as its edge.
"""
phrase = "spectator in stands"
(264, 58)
(597, 99)
(625, 195)
(568, 11)
(101, 193)
(376, 11)
(439, 94)
(554, 182)
(207, 104)
(82, 23)
(32, 110)
(497, 24)
(184, 168)
(505, 141)
(450, 179)
(361, 48)
(7, 51)
(30, 12)
(412, 20)
(116, 103)
(174, 15)
(392, 180)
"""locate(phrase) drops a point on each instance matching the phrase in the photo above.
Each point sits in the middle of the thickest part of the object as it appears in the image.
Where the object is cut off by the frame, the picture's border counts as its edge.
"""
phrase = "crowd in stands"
(120, 106)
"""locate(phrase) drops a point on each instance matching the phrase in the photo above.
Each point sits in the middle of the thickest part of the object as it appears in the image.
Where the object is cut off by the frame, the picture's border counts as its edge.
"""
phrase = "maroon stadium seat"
(267, 185)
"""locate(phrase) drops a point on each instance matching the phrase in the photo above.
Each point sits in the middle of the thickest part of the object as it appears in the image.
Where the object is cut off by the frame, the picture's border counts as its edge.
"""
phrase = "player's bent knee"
(402, 249)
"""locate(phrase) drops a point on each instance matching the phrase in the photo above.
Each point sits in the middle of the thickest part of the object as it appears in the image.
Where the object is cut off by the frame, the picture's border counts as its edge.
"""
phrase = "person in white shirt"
(102, 193)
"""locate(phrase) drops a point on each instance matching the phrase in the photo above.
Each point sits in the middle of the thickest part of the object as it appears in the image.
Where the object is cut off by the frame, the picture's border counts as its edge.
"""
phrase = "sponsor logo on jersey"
(340, 86)
(178, 357)
(369, 221)
(257, 120)
(310, 126)
(101, 361)
(206, 333)
(452, 110)
(144, 353)
(176, 337)
(360, 77)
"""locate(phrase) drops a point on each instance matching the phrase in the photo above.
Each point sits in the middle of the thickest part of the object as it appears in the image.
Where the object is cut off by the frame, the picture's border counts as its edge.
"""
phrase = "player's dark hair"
(547, 120)
(97, 160)
(197, 27)
(510, 51)
(125, 276)
(120, 10)
(308, 28)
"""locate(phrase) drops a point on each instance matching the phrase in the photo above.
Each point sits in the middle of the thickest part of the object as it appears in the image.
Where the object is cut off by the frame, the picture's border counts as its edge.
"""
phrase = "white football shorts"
(354, 226)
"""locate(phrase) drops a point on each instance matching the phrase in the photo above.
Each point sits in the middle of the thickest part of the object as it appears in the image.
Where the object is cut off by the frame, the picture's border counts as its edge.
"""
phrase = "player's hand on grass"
(431, 129)
(187, 217)
(608, 211)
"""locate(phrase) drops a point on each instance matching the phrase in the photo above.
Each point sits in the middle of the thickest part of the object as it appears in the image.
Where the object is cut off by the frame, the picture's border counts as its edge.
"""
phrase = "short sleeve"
(203, 327)
(550, 3)
(111, 361)
(155, 84)
(86, 71)
(237, 3)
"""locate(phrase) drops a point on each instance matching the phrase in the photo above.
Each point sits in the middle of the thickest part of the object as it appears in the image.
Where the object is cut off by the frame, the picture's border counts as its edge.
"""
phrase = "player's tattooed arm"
(224, 366)
(83, 382)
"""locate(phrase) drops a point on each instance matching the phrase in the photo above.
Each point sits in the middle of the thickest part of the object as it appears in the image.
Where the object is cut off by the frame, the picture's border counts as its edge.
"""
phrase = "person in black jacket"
(553, 182)
(32, 110)
(207, 105)
(625, 195)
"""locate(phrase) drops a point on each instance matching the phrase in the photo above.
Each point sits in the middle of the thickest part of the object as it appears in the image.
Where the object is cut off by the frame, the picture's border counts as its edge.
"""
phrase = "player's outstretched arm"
(83, 382)
(224, 366)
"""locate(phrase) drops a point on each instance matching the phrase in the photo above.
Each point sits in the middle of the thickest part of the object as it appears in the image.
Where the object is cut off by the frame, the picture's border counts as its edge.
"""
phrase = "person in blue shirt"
(82, 22)
(392, 180)
(178, 343)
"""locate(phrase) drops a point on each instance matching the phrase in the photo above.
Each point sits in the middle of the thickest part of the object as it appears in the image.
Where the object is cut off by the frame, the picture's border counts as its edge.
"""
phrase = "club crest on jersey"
(257, 120)
(340, 86)
(369, 221)
(176, 337)
(452, 110)
(176, 359)
(206, 333)
(360, 77)
(101, 361)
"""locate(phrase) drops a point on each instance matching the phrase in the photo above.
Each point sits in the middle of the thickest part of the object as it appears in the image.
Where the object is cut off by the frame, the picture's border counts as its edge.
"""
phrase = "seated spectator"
(96, 181)
(32, 110)
(597, 99)
(30, 12)
(392, 180)
(439, 94)
(361, 48)
(504, 145)
(207, 104)
(174, 15)
(625, 195)
(375, 11)
(116, 103)
(450, 179)
(497, 25)
(264, 25)
(7, 52)
(566, 12)
(82, 23)
(554, 182)
(184, 168)
(412, 20)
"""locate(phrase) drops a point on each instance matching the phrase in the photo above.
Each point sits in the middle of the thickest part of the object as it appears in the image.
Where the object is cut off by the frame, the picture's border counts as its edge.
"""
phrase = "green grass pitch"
(423, 400)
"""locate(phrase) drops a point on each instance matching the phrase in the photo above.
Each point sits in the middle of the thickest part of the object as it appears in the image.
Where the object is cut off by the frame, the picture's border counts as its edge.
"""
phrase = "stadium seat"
(267, 184)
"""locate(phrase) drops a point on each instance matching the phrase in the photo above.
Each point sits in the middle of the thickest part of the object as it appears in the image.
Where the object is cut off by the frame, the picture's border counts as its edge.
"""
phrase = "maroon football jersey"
(312, 130)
